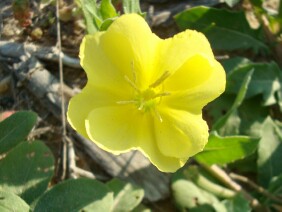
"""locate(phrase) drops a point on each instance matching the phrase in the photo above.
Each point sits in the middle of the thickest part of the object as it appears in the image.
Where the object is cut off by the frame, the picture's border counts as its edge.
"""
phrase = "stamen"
(133, 71)
(141, 106)
(158, 115)
(132, 84)
(161, 94)
(165, 75)
(125, 102)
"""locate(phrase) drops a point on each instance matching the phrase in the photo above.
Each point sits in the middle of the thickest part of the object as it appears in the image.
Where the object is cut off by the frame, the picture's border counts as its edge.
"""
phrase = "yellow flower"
(146, 93)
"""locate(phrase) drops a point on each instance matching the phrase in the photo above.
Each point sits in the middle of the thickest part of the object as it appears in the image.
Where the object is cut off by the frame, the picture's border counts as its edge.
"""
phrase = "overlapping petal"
(90, 98)
(174, 52)
(195, 98)
(114, 130)
(99, 69)
(180, 134)
(194, 72)
(131, 46)
(164, 163)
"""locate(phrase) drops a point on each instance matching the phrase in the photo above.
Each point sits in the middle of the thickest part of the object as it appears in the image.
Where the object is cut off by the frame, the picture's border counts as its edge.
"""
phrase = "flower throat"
(147, 99)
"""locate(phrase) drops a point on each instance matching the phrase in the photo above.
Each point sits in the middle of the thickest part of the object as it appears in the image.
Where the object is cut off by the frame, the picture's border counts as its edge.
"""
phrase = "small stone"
(36, 34)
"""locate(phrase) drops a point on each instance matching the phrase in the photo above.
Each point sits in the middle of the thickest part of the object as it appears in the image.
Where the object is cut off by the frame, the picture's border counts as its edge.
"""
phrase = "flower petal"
(83, 103)
(175, 51)
(98, 67)
(121, 128)
(164, 163)
(195, 98)
(195, 71)
(130, 45)
(180, 134)
(114, 128)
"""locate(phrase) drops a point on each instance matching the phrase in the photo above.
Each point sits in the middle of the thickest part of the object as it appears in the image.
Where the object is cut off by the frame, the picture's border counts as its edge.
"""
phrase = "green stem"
(194, 175)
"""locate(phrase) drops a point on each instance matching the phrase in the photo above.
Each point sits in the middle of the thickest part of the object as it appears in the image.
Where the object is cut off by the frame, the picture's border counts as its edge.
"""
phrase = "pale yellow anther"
(165, 75)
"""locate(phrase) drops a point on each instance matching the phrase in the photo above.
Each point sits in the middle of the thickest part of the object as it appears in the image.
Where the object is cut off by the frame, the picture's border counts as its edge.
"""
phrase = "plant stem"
(223, 177)
(255, 186)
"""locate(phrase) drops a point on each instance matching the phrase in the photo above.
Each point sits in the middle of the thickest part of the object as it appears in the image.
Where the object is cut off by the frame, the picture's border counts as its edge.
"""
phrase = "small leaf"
(274, 188)
(76, 195)
(237, 204)
(11, 202)
(90, 12)
(269, 152)
(105, 25)
(126, 195)
(15, 129)
(131, 6)
(231, 3)
(238, 101)
(225, 30)
(27, 170)
(187, 195)
(222, 150)
(107, 9)
(141, 208)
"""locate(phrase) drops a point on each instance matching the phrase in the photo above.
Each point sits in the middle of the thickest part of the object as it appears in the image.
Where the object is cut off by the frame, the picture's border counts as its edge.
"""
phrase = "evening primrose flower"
(146, 93)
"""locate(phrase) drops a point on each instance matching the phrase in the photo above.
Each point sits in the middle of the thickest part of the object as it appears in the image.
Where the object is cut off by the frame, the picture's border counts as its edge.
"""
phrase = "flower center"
(147, 100)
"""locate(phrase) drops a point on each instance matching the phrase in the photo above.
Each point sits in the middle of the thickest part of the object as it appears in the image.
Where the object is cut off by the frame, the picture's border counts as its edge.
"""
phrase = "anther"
(125, 102)
(133, 71)
(161, 94)
(165, 75)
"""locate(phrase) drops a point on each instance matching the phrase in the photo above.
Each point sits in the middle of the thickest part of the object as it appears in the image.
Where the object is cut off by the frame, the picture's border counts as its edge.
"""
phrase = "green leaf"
(131, 6)
(105, 25)
(237, 204)
(203, 180)
(222, 150)
(234, 63)
(257, 3)
(27, 170)
(280, 11)
(266, 80)
(225, 30)
(269, 152)
(107, 10)
(187, 195)
(274, 188)
(141, 208)
(252, 117)
(15, 129)
(91, 15)
(126, 195)
(76, 195)
(231, 3)
(238, 101)
(11, 202)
